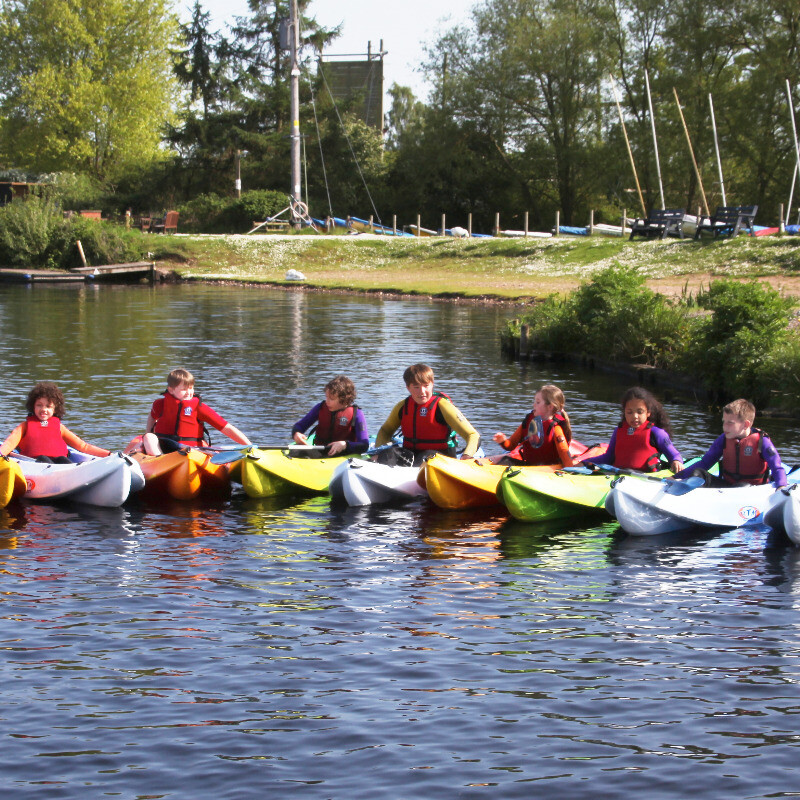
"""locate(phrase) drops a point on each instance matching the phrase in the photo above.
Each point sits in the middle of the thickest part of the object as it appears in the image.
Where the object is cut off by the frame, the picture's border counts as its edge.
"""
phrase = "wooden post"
(591, 223)
(781, 227)
(523, 341)
(691, 152)
(526, 224)
(80, 253)
(394, 224)
(419, 230)
(469, 224)
(558, 223)
(371, 225)
(624, 221)
(443, 226)
(497, 224)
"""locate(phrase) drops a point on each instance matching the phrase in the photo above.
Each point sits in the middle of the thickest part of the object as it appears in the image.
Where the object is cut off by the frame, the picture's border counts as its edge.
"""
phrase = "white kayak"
(364, 483)
(106, 481)
(647, 508)
(791, 513)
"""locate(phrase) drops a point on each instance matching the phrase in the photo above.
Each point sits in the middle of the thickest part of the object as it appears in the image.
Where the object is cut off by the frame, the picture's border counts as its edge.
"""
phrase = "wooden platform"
(107, 272)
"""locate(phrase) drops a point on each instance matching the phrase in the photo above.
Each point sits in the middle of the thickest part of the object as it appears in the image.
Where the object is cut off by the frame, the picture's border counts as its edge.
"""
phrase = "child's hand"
(676, 466)
(336, 447)
(499, 437)
(299, 438)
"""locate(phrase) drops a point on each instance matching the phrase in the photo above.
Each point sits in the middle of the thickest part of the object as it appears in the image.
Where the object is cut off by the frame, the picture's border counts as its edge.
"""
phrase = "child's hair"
(342, 387)
(49, 390)
(655, 411)
(741, 408)
(179, 376)
(552, 395)
(418, 373)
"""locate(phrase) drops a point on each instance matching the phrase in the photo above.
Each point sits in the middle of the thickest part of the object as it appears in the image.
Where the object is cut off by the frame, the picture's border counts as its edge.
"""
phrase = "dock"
(106, 273)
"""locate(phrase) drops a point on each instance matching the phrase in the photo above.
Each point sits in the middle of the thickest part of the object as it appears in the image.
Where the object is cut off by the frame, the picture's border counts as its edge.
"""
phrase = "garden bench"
(167, 224)
(727, 221)
(660, 222)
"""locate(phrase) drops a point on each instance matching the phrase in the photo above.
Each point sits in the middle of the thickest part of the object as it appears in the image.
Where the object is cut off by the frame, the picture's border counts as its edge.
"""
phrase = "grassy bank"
(503, 268)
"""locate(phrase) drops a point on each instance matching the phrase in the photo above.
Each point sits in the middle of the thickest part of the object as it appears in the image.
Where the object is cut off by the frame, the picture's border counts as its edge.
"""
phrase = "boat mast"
(716, 150)
(796, 150)
(655, 138)
(296, 193)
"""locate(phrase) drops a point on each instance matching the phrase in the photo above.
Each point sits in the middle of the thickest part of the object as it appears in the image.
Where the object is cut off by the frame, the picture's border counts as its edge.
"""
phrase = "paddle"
(229, 455)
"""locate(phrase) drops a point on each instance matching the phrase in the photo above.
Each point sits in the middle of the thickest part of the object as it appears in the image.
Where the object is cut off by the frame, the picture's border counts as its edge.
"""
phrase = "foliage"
(85, 85)
(211, 213)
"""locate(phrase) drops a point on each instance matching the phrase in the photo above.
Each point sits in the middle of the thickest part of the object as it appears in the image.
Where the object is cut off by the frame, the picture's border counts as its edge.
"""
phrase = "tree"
(85, 85)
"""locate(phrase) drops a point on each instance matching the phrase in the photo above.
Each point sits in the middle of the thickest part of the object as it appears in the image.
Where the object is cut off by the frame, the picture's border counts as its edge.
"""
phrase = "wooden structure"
(727, 221)
(660, 222)
(167, 224)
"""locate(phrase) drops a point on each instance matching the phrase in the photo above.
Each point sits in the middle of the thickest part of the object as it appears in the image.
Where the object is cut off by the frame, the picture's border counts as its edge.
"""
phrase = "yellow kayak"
(269, 473)
(12, 481)
(455, 484)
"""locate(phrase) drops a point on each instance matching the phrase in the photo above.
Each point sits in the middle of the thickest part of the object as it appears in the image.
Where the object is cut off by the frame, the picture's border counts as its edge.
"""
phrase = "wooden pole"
(80, 252)
(526, 224)
(558, 223)
(691, 151)
(394, 224)
(497, 224)
(419, 230)
(443, 226)
(716, 150)
(655, 139)
(624, 221)
(591, 222)
(469, 224)
(781, 225)
(796, 150)
(628, 145)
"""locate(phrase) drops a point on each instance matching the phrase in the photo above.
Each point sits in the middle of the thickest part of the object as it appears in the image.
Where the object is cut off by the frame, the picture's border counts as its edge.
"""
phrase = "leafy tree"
(85, 85)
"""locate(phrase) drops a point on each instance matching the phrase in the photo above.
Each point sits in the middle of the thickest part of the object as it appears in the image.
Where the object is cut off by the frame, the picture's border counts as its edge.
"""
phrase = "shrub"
(27, 228)
(211, 213)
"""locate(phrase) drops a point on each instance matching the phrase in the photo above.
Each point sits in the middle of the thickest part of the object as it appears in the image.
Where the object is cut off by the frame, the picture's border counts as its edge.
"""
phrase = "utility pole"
(294, 32)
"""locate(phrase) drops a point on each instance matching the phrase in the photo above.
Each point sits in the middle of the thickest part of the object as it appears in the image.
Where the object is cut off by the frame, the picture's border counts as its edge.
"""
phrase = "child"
(642, 437)
(177, 418)
(747, 455)
(42, 436)
(341, 425)
(428, 421)
(545, 432)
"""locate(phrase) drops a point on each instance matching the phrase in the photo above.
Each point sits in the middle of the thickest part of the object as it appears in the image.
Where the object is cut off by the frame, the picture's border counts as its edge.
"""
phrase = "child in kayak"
(545, 433)
(177, 419)
(642, 437)
(43, 436)
(428, 421)
(745, 454)
(340, 423)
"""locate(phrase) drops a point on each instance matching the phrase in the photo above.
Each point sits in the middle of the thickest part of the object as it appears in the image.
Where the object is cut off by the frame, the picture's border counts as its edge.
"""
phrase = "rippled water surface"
(286, 648)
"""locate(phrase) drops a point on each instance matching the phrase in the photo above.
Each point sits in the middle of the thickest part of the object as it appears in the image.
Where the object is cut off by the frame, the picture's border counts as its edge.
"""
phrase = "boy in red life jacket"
(176, 419)
(340, 423)
(745, 454)
(428, 421)
(42, 436)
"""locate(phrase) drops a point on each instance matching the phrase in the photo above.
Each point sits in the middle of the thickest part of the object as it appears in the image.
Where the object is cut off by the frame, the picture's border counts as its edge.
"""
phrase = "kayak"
(183, 475)
(106, 481)
(270, 473)
(647, 508)
(12, 481)
(455, 484)
(791, 513)
(363, 483)
(536, 496)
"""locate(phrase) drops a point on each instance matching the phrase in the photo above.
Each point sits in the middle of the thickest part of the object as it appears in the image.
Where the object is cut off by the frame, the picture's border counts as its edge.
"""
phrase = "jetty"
(122, 273)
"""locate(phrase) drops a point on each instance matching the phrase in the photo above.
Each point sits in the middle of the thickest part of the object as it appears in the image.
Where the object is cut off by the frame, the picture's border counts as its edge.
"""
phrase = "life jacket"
(546, 452)
(42, 439)
(179, 420)
(421, 428)
(335, 426)
(742, 459)
(633, 449)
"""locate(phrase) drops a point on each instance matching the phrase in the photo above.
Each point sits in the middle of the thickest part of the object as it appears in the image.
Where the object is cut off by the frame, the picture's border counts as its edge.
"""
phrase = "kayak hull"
(12, 481)
(183, 475)
(364, 483)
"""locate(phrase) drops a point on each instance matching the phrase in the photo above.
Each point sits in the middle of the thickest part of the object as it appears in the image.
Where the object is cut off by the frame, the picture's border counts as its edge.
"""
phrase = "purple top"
(659, 439)
(361, 437)
(714, 456)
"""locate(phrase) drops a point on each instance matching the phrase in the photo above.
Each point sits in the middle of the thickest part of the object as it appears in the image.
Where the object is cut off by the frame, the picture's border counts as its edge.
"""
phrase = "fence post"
(419, 230)
(371, 225)
(497, 224)
(781, 228)
(526, 224)
(394, 224)
(591, 222)
(624, 221)
(558, 224)
(469, 224)
(443, 226)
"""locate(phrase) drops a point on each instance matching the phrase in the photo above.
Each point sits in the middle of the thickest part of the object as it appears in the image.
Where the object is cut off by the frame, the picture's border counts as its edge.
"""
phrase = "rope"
(350, 145)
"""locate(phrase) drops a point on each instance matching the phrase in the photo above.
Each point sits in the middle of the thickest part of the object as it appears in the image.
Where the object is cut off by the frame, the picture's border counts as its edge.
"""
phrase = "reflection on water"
(285, 646)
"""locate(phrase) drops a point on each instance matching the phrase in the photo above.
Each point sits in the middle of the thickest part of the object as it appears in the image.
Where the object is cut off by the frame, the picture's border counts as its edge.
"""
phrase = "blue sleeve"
(361, 442)
(312, 418)
(659, 438)
(777, 473)
(608, 456)
(712, 456)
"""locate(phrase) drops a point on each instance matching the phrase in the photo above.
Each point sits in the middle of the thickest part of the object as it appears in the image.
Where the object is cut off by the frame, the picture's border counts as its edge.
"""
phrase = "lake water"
(287, 648)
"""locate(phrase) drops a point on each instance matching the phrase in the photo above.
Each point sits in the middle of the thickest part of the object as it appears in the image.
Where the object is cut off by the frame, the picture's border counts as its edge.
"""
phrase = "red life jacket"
(42, 439)
(337, 426)
(742, 461)
(179, 420)
(546, 452)
(420, 427)
(633, 450)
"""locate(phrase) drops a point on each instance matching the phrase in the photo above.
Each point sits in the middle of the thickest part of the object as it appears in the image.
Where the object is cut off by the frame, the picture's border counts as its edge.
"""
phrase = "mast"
(655, 139)
(294, 33)
(716, 150)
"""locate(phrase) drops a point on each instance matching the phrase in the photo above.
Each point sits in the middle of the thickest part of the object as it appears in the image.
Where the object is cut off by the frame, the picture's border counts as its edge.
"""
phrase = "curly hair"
(342, 388)
(50, 391)
(655, 411)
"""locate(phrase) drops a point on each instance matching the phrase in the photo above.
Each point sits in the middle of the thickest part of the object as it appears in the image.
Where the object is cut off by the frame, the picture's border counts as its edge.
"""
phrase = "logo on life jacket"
(536, 432)
(631, 431)
(748, 451)
(423, 412)
(187, 412)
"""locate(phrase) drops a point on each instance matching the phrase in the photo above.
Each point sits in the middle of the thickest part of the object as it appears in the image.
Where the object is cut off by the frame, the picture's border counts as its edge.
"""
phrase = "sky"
(404, 25)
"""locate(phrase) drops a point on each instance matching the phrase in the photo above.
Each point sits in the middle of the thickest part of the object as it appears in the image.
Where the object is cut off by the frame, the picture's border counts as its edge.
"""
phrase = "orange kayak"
(183, 475)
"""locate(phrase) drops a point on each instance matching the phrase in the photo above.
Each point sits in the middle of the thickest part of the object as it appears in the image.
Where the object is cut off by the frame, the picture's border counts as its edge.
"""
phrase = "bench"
(727, 221)
(272, 225)
(660, 222)
(167, 224)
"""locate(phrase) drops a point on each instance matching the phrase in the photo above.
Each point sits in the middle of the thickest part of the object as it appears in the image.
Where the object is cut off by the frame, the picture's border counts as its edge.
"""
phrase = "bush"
(211, 213)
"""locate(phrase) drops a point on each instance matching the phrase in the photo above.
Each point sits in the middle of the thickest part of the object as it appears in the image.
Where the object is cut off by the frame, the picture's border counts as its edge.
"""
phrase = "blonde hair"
(553, 396)
(741, 408)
